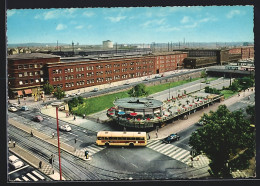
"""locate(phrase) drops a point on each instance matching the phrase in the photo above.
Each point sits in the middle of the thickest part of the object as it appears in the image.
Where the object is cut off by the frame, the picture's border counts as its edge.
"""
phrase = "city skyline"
(91, 26)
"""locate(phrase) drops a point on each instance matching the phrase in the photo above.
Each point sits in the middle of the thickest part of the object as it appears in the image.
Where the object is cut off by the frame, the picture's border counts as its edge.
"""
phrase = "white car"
(12, 109)
(15, 162)
(67, 95)
(15, 105)
(65, 128)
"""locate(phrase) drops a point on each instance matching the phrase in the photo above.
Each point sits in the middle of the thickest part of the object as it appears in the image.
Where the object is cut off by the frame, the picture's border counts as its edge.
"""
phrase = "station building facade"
(28, 72)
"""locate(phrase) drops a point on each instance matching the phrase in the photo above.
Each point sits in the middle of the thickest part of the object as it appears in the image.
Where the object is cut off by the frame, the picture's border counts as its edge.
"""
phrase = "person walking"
(74, 118)
(13, 143)
(52, 134)
(31, 133)
(156, 134)
(248, 97)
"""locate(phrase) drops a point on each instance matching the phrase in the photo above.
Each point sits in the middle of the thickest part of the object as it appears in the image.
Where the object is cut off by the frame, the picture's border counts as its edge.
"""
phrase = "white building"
(107, 44)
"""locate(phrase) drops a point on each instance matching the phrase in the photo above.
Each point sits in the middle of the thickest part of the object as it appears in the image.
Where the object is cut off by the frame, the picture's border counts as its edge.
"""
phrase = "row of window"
(31, 81)
(120, 138)
(26, 66)
(36, 73)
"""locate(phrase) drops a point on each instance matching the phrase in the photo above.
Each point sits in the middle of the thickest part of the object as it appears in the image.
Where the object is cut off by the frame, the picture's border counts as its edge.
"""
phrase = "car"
(77, 94)
(15, 162)
(171, 138)
(67, 95)
(24, 108)
(65, 127)
(95, 89)
(157, 76)
(126, 83)
(72, 95)
(37, 118)
(12, 109)
(14, 105)
(201, 123)
(146, 79)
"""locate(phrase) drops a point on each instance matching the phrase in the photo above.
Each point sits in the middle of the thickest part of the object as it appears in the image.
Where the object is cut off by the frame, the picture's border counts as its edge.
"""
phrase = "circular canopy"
(121, 113)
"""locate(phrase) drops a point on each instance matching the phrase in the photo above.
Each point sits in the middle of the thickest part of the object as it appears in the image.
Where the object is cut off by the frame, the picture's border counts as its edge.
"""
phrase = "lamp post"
(58, 134)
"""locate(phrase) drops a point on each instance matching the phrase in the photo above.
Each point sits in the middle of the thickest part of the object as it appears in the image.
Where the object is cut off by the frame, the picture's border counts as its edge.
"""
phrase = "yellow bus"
(121, 138)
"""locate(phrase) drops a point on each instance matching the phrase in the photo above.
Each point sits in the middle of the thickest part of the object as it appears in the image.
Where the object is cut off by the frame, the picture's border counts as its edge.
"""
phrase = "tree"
(250, 110)
(81, 100)
(246, 82)
(138, 91)
(235, 86)
(224, 137)
(48, 88)
(59, 93)
(203, 74)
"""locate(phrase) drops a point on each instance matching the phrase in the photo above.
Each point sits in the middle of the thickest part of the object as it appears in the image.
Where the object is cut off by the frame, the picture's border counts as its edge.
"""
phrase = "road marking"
(18, 169)
(73, 134)
(134, 165)
(25, 179)
(32, 177)
(38, 175)
(122, 156)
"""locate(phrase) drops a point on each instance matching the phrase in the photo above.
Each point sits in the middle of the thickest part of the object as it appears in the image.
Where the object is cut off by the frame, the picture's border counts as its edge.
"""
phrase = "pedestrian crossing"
(30, 176)
(178, 154)
(92, 149)
(240, 174)
(248, 102)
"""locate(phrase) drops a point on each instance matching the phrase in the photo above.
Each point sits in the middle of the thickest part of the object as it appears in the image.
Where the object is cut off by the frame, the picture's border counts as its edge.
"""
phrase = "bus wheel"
(106, 144)
(131, 145)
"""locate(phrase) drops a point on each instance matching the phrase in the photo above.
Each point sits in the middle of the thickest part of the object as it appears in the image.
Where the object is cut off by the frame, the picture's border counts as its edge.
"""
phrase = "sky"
(91, 26)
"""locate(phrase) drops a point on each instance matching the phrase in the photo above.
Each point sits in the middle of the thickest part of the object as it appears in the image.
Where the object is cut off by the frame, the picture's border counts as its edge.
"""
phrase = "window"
(40, 65)
(31, 66)
(20, 66)
(35, 65)
(26, 82)
(31, 80)
(41, 72)
(25, 74)
(20, 75)
(37, 80)
(30, 73)
(25, 66)
(20, 82)
(36, 73)
(42, 80)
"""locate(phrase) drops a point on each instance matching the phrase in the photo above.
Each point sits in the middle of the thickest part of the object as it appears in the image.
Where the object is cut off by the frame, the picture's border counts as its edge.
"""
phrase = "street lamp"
(57, 104)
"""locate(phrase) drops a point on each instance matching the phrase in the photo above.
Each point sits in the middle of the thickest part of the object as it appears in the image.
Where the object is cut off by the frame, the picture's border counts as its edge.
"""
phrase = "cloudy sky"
(131, 25)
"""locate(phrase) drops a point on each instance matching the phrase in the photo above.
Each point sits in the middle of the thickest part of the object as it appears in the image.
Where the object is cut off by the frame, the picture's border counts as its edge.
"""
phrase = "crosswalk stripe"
(172, 150)
(159, 147)
(38, 175)
(94, 149)
(153, 145)
(185, 160)
(152, 142)
(176, 152)
(25, 178)
(32, 177)
(90, 150)
(167, 148)
(184, 155)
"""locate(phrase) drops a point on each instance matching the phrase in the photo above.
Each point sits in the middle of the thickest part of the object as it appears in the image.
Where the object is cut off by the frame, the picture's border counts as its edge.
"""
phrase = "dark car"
(171, 138)
(37, 118)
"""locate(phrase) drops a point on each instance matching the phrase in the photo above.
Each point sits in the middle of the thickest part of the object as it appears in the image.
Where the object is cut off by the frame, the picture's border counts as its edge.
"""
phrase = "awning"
(20, 93)
(28, 91)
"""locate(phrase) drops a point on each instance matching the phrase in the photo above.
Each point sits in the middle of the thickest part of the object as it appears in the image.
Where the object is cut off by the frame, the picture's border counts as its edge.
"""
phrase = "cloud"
(88, 14)
(154, 22)
(55, 14)
(116, 19)
(79, 27)
(233, 13)
(185, 19)
(61, 27)
(10, 13)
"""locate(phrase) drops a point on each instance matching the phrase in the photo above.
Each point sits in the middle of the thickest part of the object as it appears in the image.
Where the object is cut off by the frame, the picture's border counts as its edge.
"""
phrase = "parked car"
(201, 123)
(157, 76)
(12, 109)
(171, 138)
(65, 127)
(72, 95)
(95, 89)
(37, 118)
(146, 79)
(15, 162)
(14, 105)
(24, 108)
(67, 95)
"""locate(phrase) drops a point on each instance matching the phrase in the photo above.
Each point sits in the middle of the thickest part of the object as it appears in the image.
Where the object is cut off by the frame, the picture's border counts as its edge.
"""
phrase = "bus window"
(100, 138)
(106, 138)
(130, 138)
(142, 138)
(119, 138)
(138, 138)
(123, 138)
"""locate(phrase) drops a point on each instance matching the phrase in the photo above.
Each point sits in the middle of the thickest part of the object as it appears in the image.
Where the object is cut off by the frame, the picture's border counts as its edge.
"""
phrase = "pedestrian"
(148, 136)
(75, 140)
(46, 106)
(31, 133)
(248, 97)
(13, 143)
(84, 116)
(238, 94)
(74, 117)
(98, 120)
(156, 134)
(52, 134)
(40, 164)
